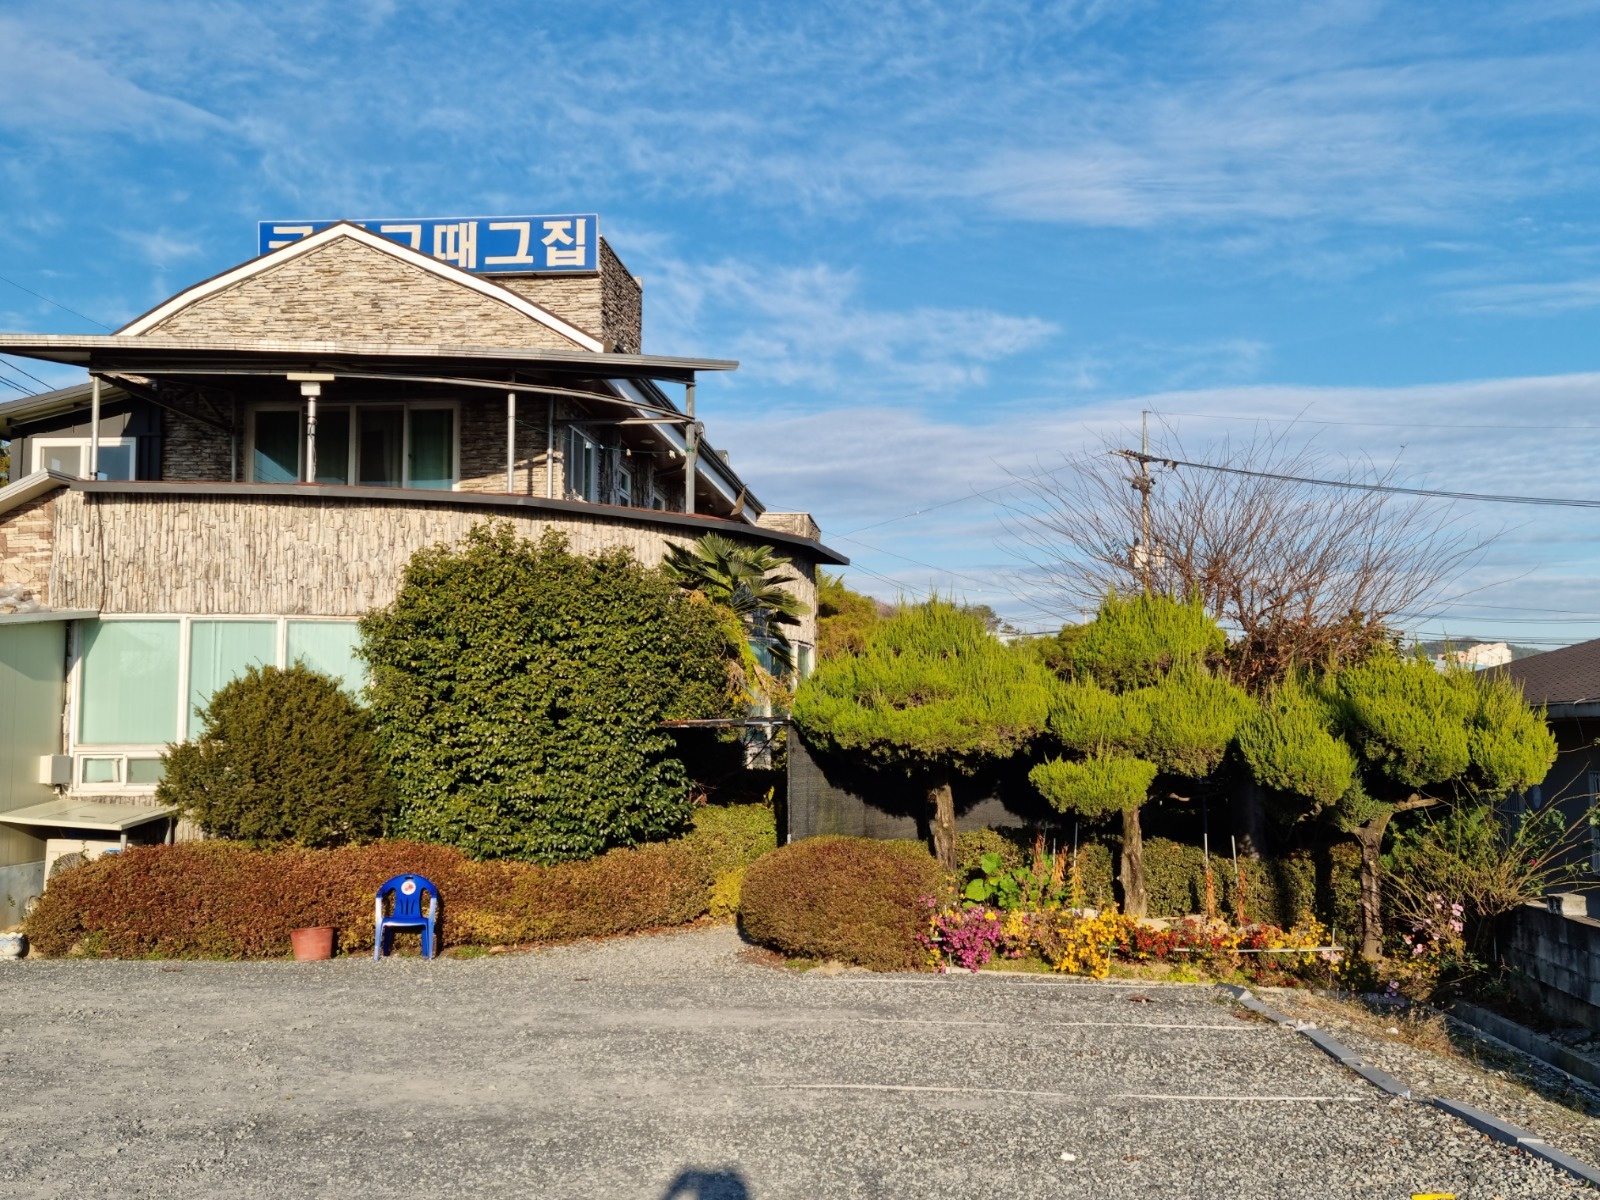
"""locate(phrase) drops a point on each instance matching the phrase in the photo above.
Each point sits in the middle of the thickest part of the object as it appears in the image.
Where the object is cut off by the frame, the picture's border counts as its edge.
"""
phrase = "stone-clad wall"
(346, 291)
(610, 305)
(26, 534)
(122, 552)
(192, 449)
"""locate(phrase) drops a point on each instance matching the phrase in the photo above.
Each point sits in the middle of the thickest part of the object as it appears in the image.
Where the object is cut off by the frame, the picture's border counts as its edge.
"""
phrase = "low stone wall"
(1560, 955)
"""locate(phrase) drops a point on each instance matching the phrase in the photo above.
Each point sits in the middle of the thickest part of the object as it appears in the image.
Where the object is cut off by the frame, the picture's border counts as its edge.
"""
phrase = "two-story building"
(251, 464)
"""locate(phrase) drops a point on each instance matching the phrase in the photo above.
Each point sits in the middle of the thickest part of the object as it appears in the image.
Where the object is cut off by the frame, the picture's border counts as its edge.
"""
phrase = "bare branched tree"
(1301, 573)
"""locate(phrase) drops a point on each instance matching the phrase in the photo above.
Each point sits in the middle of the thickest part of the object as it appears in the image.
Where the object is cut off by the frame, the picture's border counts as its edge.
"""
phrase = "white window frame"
(38, 445)
(624, 486)
(351, 408)
(123, 751)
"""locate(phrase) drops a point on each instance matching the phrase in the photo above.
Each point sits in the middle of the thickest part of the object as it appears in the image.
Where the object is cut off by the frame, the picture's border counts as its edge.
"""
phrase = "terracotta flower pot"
(313, 944)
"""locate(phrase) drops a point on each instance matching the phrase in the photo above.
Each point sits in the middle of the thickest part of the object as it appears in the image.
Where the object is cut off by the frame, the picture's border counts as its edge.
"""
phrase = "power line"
(1352, 485)
(20, 371)
(914, 561)
(26, 391)
(57, 303)
(1377, 424)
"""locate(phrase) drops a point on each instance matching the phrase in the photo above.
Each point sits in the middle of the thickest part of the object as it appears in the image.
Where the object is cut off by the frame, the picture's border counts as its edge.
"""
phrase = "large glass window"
(135, 693)
(379, 446)
(329, 647)
(583, 474)
(333, 445)
(129, 683)
(70, 456)
(220, 652)
(276, 458)
(432, 448)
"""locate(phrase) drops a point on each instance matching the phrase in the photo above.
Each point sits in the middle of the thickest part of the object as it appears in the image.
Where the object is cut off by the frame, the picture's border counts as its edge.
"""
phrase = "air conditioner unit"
(55, 769)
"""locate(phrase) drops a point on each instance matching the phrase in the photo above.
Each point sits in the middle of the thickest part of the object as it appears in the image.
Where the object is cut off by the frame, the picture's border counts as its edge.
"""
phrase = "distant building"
(1478, 657)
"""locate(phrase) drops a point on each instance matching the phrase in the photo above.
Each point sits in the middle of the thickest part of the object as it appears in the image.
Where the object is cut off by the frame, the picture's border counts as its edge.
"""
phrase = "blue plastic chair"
(407, 892)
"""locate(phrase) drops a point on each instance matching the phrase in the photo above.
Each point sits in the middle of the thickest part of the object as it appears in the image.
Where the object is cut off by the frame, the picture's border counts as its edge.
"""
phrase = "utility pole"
(1141, 483)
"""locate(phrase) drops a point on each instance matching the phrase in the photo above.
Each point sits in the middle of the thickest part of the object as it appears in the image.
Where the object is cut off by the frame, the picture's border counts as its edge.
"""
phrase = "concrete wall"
(1560, 954)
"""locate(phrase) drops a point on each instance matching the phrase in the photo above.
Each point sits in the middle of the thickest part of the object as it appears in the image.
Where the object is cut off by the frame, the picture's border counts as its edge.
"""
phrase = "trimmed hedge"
(219, 899)
(851, 899)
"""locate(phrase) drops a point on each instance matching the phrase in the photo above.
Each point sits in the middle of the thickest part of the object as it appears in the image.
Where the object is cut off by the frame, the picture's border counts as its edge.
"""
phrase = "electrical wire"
(13, 366)
(57, 303)
(1372, 424)
(1352, 485)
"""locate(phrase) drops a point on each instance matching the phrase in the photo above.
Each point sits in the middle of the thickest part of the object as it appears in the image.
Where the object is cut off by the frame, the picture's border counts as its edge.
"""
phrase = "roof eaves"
(31, 487)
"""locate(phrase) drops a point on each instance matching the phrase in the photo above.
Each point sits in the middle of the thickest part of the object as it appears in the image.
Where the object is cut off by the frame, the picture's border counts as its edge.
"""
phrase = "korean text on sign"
(486, 245)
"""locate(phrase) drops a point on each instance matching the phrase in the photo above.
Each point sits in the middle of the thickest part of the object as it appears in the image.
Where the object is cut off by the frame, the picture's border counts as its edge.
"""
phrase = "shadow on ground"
(707, 1185)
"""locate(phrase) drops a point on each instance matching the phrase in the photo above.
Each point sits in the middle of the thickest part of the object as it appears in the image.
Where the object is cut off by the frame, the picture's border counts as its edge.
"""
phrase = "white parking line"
(977, 1091)
(1235, 1027)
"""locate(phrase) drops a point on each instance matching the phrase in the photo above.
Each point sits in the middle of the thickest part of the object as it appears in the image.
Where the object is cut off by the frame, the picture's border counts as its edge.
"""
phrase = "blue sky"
(946, 241)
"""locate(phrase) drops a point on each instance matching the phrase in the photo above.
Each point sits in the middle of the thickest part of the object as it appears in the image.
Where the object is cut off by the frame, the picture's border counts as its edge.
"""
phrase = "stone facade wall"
(125, 552)
(196, 450)
(27, 535)
(349, 291)
(798, 523)
(609, 305)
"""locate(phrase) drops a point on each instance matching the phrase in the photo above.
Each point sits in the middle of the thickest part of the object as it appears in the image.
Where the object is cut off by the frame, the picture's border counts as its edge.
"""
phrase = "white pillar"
(511, 442)
(94, 429)
(691, 449)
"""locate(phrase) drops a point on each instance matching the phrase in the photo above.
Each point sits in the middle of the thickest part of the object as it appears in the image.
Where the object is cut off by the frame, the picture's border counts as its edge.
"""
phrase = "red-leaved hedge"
(855, 900)
(218, 899)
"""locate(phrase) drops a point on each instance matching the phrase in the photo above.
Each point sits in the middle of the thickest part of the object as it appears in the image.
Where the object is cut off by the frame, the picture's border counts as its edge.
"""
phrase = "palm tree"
(746, 579)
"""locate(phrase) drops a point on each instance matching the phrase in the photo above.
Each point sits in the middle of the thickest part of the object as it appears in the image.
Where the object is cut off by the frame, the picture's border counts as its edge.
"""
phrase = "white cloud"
(810, 326)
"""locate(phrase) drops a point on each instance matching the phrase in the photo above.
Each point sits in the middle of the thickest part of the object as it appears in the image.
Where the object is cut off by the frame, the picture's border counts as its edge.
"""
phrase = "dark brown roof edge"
(332, 494)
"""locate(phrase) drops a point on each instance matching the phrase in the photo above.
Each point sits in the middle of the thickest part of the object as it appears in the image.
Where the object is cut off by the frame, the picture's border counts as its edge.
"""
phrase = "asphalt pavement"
(673, 1066)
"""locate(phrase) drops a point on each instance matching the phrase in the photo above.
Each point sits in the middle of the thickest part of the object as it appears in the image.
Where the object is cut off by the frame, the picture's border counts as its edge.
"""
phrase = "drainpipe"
(550, 451)
(511, 442)
(691, 448)
(94, 428)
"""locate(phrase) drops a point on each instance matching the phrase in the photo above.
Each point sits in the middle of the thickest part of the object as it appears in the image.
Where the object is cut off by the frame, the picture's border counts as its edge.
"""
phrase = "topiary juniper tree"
(1142, 704)
(520, 688)
(285, 756)
(932, 693)
(1387, 736)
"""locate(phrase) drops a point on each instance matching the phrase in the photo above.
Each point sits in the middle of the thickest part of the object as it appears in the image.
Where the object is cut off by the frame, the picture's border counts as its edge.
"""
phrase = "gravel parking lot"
(672, 1066)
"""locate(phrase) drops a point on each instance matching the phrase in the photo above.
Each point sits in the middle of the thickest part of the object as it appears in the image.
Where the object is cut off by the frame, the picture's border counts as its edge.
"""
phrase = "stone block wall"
(241, 553)
(27, 537)
(1560, 955)
(346, 291)
(609, 305)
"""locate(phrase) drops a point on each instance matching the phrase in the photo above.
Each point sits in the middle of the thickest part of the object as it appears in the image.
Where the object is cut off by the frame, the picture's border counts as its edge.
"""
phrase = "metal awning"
(87, 814)
(117, 352)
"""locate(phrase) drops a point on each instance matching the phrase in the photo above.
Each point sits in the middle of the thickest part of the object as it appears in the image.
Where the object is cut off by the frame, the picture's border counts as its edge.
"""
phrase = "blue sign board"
(483, 245)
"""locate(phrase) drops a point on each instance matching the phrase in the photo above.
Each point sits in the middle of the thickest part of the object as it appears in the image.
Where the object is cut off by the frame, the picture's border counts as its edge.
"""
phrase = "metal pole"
(94, 429)
(311, 391)
(511, 441)
(691, 448)
(550, 451)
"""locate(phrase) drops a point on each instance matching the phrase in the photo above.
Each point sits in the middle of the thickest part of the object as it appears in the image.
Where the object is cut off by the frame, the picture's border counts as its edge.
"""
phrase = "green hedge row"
(217, 899)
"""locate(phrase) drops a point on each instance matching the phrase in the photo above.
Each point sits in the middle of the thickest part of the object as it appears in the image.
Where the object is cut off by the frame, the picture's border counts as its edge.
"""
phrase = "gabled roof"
(309, 245)
(1570, 675)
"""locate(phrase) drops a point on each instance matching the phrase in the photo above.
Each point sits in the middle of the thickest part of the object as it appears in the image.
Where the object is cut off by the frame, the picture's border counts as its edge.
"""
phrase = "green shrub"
(219, 899)
(851, 899)
(519, 690)
(285, 756)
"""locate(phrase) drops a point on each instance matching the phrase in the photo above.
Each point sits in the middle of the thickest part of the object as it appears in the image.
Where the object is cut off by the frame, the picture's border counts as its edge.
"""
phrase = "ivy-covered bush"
(519, 690)
(285, 756)
(854, 900)
(217, 899)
